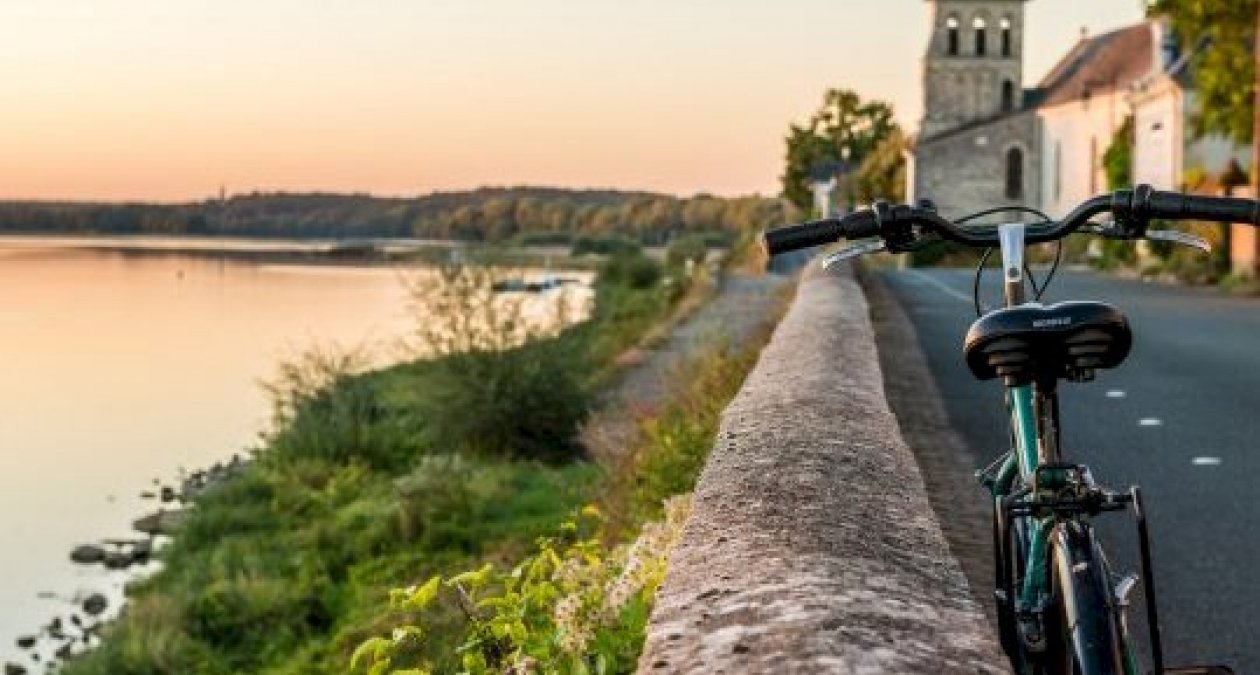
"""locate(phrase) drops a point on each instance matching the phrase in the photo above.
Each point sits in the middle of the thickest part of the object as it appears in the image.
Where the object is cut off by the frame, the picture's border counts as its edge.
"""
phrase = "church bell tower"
(974, 67)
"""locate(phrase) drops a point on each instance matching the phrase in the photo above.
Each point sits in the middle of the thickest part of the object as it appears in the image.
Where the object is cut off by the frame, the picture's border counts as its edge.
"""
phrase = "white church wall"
(1157, 140)
(1074, 138)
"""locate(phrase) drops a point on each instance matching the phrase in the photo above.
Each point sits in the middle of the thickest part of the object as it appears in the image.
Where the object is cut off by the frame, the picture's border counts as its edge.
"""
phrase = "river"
(119, 368)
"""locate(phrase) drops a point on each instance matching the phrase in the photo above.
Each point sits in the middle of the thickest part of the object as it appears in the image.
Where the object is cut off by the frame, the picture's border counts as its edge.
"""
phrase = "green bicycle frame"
(1030, 450)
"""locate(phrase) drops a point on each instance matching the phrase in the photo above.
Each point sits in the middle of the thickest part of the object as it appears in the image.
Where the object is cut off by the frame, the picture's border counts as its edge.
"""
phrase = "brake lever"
(1106, 231)
(861, 248)
(1179, 237)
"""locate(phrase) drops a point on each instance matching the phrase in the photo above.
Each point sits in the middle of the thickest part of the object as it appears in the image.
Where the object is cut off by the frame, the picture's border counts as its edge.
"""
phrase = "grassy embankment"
(376, 481)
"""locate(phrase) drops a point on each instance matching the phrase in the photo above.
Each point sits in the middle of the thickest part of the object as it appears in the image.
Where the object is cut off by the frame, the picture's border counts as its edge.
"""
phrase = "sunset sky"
(168, 99)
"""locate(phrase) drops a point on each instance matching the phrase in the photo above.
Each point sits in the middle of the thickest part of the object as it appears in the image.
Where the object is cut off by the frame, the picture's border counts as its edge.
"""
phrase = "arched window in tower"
(1014, 173)
(951, 36)
(982, 38)
(1008, 96)
(1006, 36)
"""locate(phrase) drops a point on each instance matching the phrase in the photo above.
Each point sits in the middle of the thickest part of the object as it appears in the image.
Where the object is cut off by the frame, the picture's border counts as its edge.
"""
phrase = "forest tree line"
(487, 214)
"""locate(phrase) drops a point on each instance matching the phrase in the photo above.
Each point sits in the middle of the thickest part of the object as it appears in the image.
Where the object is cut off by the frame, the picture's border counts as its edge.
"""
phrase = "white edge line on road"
(941, 285)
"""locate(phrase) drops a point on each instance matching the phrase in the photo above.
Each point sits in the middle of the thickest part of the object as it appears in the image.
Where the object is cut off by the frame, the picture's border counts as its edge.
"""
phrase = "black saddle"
(1068, 341)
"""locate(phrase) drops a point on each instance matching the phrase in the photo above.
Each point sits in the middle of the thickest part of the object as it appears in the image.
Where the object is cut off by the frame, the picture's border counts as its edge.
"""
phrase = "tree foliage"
(882, 175)
(487, 214)
(1118, 160)
(1224, 69)
(844, 129)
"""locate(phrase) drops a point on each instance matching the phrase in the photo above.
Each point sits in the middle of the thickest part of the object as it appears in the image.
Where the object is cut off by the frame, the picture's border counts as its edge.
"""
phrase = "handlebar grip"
(856, 225)
(805, 235)
(1176, 206)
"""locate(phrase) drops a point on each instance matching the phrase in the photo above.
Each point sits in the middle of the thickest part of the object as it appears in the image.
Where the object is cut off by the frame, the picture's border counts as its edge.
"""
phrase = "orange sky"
(168, 99)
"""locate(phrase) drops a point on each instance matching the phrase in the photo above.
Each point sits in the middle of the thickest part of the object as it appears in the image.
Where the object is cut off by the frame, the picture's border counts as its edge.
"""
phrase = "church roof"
(1102, 64)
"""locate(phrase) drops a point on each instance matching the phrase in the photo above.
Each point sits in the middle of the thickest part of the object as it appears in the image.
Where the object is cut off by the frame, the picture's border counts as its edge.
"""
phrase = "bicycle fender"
(1080, 576)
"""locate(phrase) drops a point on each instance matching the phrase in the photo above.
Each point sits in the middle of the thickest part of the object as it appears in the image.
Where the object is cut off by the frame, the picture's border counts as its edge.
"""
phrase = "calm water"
(118, 369)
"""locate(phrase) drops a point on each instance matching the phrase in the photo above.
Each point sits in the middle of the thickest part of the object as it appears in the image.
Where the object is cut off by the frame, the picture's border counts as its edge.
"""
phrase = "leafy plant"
(574, 606)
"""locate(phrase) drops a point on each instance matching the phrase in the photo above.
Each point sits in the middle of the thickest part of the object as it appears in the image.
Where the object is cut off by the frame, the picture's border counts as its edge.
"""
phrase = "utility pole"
(1255, 128)
(1254, 252)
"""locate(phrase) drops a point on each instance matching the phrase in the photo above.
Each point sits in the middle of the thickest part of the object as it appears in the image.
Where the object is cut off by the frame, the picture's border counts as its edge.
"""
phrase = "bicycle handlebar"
(1132, 209)
(857, 225)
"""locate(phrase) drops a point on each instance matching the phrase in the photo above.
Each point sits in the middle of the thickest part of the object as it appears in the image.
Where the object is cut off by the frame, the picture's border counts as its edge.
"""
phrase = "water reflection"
(116, 369)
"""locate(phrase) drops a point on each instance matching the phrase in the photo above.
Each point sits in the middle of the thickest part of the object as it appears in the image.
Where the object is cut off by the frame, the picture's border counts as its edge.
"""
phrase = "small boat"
(540, 285)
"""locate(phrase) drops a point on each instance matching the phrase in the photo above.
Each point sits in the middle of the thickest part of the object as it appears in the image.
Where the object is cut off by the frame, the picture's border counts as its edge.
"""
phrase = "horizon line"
(384, 195)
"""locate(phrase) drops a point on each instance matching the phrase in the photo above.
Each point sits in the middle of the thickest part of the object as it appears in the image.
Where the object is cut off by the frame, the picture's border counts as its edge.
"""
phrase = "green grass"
(288, 567)
(552, 610)
(278, 570)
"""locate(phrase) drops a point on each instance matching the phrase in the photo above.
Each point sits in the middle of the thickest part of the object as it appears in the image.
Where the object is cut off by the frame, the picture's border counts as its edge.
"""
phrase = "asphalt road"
(1181, 418)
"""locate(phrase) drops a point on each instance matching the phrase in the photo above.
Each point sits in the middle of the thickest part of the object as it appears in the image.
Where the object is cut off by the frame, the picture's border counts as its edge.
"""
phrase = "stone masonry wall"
(812, 547)
(965, 171)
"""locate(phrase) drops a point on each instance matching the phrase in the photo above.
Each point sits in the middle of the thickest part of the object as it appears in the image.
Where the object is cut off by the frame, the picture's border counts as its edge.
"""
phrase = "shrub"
(692, 247)
(632, 270)
(501, 383)
(607, 245)
(324, 408)
(526, 402)
(542, 239)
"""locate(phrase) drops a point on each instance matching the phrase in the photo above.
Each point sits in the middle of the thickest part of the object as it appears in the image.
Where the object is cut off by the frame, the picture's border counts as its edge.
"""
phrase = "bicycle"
(1060, 607)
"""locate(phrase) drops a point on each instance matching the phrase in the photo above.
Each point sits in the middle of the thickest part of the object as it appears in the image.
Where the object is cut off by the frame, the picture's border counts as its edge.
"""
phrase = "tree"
(882, 175)
(845, 128)
(1224, 69)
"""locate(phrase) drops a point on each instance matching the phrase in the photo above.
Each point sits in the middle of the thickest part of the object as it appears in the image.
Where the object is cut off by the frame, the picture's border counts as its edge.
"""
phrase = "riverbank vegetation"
(377, 481)
(580, 601)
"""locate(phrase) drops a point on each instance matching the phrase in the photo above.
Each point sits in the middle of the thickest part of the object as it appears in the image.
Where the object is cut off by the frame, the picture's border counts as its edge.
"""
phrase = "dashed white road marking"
(1116, 393)
(1150, 422)
(1206, 461)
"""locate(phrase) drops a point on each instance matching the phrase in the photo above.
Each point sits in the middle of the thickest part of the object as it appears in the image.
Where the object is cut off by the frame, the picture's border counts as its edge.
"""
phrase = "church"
(987, 140)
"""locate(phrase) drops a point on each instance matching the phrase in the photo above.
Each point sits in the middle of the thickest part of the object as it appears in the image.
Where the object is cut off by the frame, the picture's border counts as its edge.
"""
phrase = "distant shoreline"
(312, 251)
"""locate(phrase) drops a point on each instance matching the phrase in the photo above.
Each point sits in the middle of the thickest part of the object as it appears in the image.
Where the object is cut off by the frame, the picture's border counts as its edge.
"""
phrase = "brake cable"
(1038, 291)
(1054, 268)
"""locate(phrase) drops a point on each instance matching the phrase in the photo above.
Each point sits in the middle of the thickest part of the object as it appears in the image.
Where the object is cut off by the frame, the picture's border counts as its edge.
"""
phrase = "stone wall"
(812, 547)
(965, 170)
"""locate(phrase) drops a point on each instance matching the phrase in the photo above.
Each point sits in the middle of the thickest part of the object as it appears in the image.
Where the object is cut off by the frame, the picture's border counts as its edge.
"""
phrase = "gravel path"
(742, 306)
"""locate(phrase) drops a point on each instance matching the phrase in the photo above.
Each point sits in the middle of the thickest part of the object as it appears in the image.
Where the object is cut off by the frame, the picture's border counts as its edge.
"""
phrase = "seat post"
(1011, 237)
(1046, 405)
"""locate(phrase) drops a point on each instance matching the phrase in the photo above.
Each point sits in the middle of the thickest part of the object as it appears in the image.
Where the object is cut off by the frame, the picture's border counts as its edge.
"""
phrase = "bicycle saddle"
(1069, 341)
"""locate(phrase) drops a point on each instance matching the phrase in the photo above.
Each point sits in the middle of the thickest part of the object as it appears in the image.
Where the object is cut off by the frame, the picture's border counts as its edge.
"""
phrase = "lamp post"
(823, 187)
(824, 178)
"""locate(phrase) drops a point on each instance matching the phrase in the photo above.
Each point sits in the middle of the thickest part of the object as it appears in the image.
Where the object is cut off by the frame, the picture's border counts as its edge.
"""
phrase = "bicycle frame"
(1029, 451)
(1034, 418)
